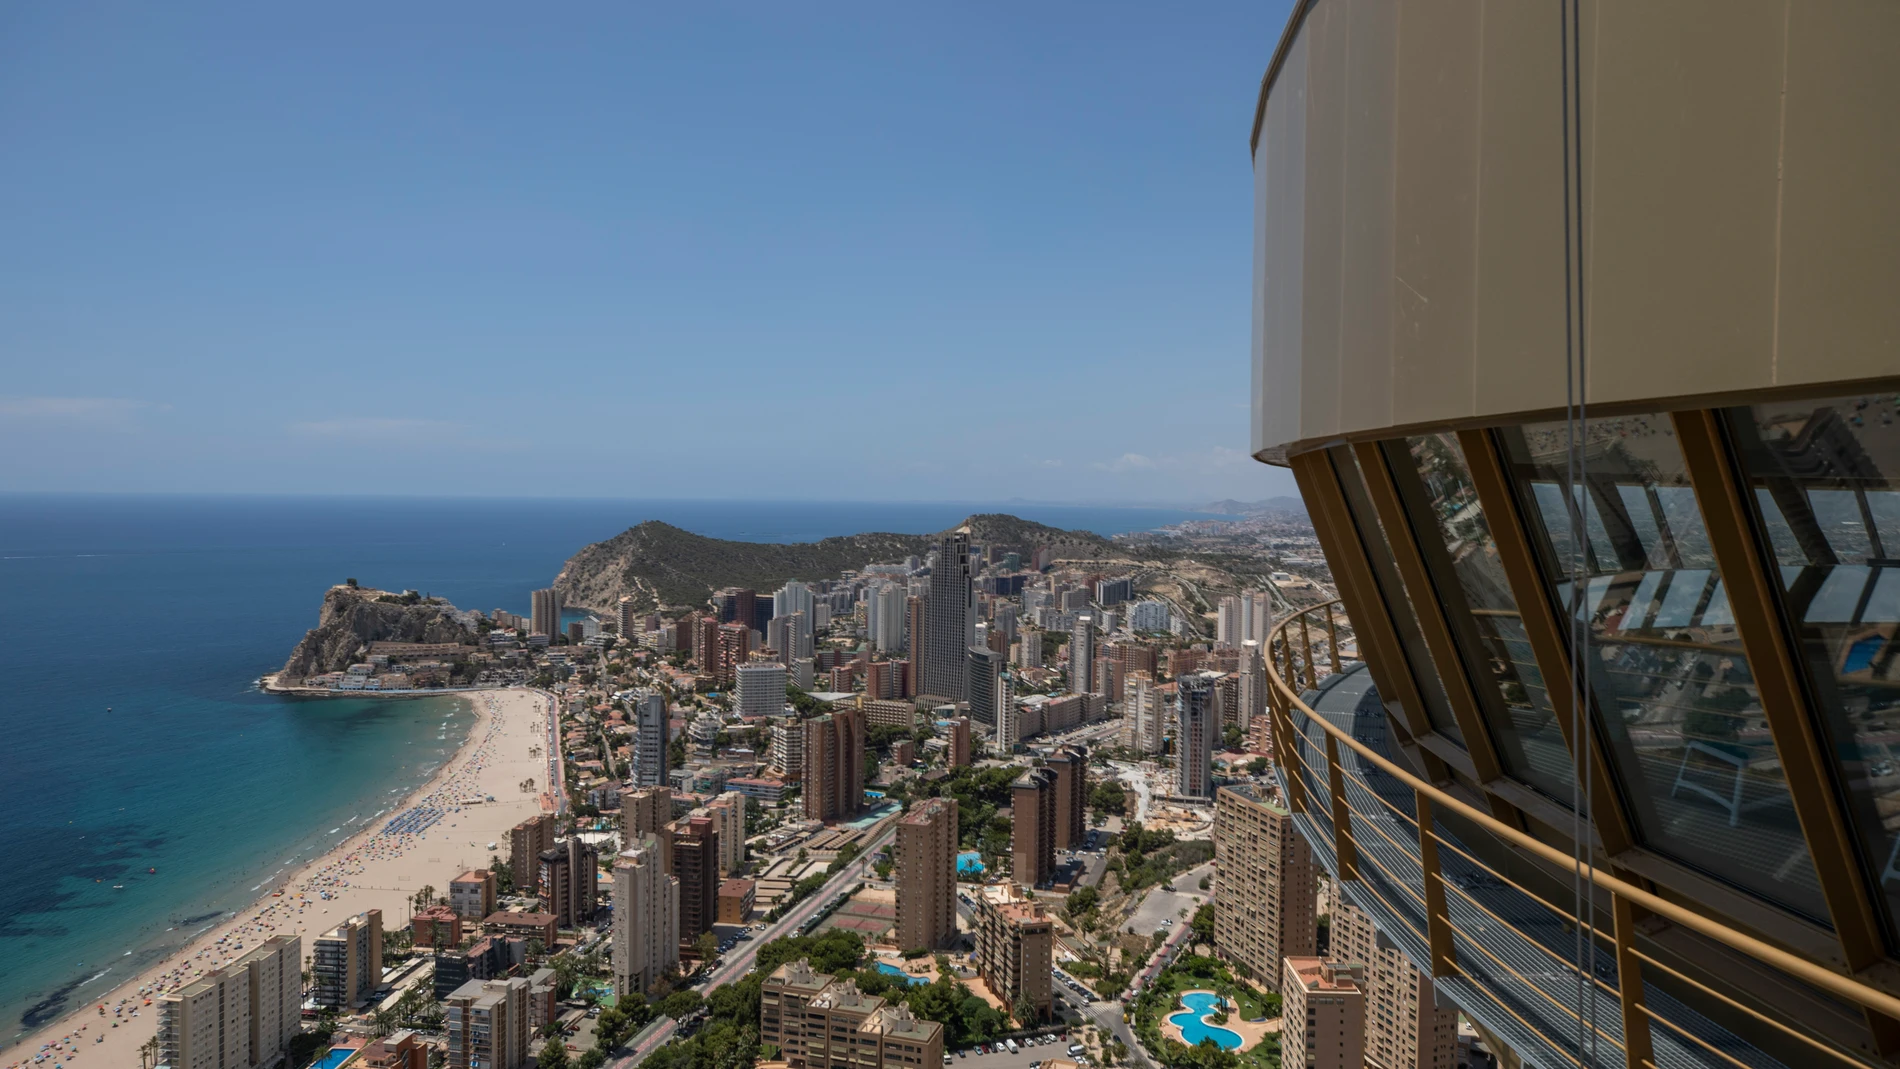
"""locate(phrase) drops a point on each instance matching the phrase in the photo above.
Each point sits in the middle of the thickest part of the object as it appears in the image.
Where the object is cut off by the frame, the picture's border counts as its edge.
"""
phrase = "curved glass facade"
(1627, 554)
(1825, 476)
(1434, 484)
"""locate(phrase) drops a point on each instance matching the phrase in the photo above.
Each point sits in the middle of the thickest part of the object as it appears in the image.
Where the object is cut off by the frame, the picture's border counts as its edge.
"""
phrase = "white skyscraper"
(761, 689)
(1230, 621)
(649, 740)
(798, 636)
(646, 917)
(1148, 616)
(1260, 616)
(795, 597)
(1082, 656)
(1142, 728)
(885, 609)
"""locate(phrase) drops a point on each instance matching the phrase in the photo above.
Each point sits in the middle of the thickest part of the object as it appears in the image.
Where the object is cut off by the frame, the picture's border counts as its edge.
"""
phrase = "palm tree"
(148, 1052)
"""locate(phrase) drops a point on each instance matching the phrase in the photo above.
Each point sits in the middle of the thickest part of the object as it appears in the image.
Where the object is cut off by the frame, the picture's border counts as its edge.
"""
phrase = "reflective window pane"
(1675, 702)
(1826, 476)
(1386, 572)
(1435, 486)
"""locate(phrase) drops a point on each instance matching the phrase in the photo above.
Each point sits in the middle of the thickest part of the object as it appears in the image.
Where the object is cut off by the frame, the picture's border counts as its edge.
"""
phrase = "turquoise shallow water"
(131, 737)
(1194, 1029)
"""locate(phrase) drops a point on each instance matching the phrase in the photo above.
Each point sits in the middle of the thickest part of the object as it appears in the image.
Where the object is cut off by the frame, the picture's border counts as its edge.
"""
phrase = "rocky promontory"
(353, 617)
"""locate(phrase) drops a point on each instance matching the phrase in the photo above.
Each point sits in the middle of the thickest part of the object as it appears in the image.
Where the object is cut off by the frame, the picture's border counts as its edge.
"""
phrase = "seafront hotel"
(1575, 323)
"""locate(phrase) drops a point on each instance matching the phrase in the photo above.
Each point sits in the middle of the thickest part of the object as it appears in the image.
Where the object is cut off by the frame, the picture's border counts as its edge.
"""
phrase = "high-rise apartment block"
(1150, 617)
(1082, 655)
(1253, 685)
(1265, 882)
(1033, 827)
(1197, 723)
(957, 753)
(696, 866)
(472, 894)
(984, 672)
(526, 841)
(705, 631)
(1143, 713)
(1071, 766)
(916, 628)
(819, 1023)
(950, 621)
(1405, 1027)
(1329, 998)
(645, 811)
(347, 961)
(567, 880)
(788, 750)
(646, 915)
(544, 617)
(488, 1024)
(761, 690)
(735, 649)
(834, 765)
(241, 1016)
(728, 816)
(1029, 648)
(1015, 947)
(649, 742)
(927, 875)
(885, 617)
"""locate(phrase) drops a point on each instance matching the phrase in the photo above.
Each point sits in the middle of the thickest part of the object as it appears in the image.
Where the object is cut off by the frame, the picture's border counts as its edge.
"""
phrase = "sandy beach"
(376, 869)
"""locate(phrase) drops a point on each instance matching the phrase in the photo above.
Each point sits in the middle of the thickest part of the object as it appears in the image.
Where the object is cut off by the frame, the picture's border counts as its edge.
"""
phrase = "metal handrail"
(1834, 983)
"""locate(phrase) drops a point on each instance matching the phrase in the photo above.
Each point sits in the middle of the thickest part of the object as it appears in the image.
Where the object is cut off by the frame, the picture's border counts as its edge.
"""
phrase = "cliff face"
(659, 564)
(352, 618)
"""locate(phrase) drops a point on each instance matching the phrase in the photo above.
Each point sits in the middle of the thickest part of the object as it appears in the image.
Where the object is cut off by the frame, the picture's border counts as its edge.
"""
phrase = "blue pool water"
(333, 1059)
(970, 861)
(1194, 1029)
(891, 970)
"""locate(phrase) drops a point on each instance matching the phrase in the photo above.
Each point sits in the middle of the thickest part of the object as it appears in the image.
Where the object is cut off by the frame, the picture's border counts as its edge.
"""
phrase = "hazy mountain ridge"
(1231, 507)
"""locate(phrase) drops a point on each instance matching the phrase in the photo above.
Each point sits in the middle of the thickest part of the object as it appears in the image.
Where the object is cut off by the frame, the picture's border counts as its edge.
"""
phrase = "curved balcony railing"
(1507, 955)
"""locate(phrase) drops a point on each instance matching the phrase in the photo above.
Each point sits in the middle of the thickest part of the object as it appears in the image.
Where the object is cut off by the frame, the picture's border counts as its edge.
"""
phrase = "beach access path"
(428, 840)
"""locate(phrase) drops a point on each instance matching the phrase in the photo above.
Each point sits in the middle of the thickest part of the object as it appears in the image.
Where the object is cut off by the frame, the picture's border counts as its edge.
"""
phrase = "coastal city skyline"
(1315, 535)
(240, 238)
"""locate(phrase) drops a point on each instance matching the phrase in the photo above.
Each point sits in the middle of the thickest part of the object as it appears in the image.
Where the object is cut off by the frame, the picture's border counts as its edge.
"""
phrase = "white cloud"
(96, 413)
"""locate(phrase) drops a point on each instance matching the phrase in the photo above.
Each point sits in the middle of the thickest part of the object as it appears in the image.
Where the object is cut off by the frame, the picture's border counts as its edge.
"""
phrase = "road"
(650, 1039)
(739, 959)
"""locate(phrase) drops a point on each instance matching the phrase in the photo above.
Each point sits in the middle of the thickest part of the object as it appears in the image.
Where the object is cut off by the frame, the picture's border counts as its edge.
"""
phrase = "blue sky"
(922, 252)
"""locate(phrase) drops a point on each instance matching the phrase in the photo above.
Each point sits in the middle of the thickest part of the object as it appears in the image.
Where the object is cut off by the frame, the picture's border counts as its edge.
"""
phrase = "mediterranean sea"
(147, 788)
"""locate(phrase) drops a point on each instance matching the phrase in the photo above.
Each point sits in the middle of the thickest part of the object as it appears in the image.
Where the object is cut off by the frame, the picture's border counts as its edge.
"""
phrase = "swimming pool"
(970, 861)
(1194, 1029)
(892, 970)
(333, 1059)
